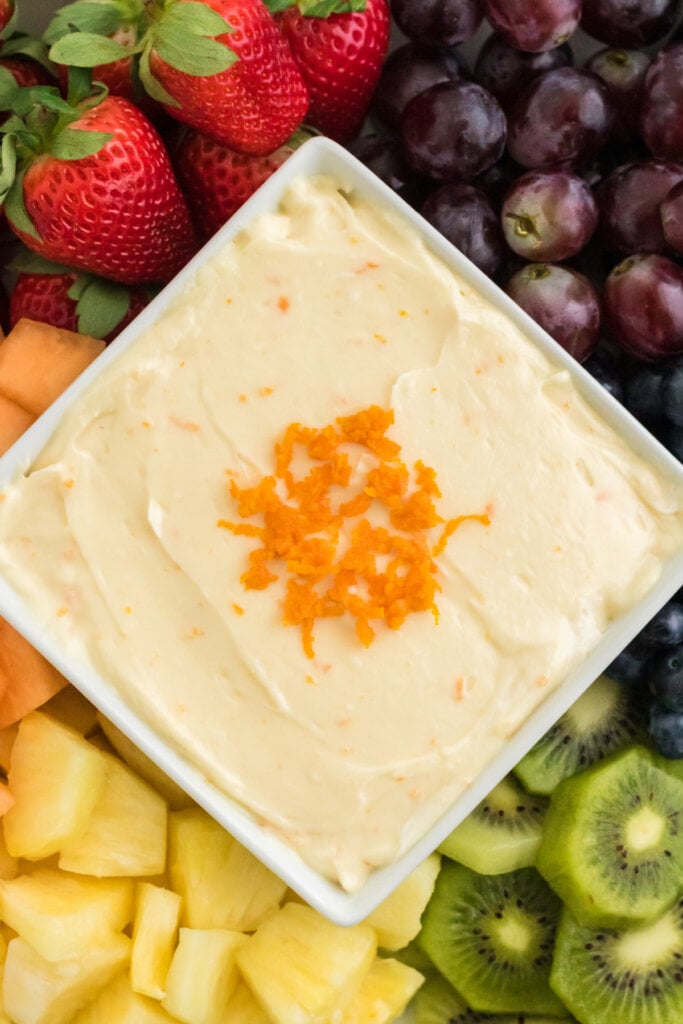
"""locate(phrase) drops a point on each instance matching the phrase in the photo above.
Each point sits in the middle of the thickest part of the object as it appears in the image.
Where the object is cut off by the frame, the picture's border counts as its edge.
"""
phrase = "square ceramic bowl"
(320, 156)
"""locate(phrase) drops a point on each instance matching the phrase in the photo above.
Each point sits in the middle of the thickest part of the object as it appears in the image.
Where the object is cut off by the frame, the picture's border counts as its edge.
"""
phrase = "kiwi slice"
(437, 1002)
(612, 844)
(492, 936)
(502, 833)
(634, 976)
(607, 717)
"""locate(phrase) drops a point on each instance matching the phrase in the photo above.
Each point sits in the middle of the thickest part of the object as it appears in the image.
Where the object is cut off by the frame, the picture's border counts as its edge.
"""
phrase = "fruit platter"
(543, 139)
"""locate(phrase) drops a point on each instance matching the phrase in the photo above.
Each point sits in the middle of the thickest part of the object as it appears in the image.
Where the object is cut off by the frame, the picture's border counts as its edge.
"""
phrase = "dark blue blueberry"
(629, 666)
(672, 408)
(665, 677)
(666, 730)
(607, 375)
(665, 629)
(671, 437)
(644, 394)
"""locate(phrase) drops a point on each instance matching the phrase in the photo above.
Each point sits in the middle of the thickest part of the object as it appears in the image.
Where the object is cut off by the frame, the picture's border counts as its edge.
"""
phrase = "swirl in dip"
(345, 713)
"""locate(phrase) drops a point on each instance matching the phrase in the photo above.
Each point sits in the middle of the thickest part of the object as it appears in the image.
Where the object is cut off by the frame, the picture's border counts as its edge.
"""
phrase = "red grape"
(534, 25)
(671, 212)
(563, 302)
(629, 200)
(628, 23)
(661, 116)
(504, 70)
(623, 72)
(407, 72)
(437, 22)
(644, 306)
(549, 216)
(466, 218)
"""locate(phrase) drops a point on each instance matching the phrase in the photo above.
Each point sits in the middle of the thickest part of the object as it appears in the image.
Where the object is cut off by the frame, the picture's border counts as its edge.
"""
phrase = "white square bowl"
(321, 156)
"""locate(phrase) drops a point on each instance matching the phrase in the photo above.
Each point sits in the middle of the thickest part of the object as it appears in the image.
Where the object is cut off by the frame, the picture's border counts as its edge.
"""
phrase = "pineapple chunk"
(222, 884)
(6, 798)
(136, 759)
(203, 975)
(4, 1019)
(384, 993)
(62, 915)
(243, 1008)
(302, 968)
(397, 919)
(118, 1004)
(72, 708)
(57, 778)
(36, 991)
(7, 738)
(9, 866)
(126, 832)
(155, 934)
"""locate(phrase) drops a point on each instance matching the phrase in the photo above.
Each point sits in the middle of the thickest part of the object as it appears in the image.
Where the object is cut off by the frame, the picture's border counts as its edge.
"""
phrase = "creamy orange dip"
(346, 743)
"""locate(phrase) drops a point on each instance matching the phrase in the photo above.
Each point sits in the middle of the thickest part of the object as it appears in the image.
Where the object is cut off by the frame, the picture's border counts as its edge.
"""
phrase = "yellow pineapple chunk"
(72, 708)
(126, 832)
(9, 866)
(244, 1008)
(36, 991)
(63, 915)
(118, 1004)
(203, 975)
(136, 759)
(384, 993)
(222, 884)
(397, 919)
(4, 1019)
(302, 968)
(155, 935)
(57, 778)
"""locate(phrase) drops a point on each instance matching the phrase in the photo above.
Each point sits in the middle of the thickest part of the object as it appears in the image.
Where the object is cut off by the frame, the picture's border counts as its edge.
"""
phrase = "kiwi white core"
(641, 948)
(644, 829)
(514, 934)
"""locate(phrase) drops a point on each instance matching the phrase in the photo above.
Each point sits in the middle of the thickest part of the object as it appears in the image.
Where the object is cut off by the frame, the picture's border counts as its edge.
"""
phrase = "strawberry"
(6, 13)
(340, 46)
(25, 71)
(220, 66)
(217, 180)
(77, 302)
(93, 187)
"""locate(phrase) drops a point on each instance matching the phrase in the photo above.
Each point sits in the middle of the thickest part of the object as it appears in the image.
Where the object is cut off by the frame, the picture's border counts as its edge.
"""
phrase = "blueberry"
(644, 395)
(606, 375)
(629, 666)
(665, 676)
(666, 730)
(672, 438)
(665, 629)
(672, 395)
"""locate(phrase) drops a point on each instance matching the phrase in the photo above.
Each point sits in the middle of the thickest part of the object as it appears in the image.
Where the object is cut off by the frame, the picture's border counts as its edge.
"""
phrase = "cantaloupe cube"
(36, 991)
(63, 915)
(38, 361)
(27, 679)
(57, 778)
(136, 759)
(244, 1008)
(384, 993)
(72, 708)
(125, 834)
(222, 884)
(13, 422)
(118, 1004)
(155, 936)
(302, 968)
(203, 975)
(397, 919)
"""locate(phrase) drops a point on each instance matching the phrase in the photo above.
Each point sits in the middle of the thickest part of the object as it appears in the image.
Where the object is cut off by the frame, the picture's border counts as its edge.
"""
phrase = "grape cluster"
(562, 179)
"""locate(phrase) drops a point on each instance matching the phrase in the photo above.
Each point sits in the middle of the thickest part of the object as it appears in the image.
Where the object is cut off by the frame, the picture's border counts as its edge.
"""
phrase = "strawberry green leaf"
(96, 16)
(27, 262)
(8, 164)
(324, 8)
(26, 46)
(193, 55)
(101, 307)
(275, 6)
(15, 208)
(75, 143)
(87, 50)
(153, 87)
(80, 87)
(46, 97)
(195, 19)
(8, 89)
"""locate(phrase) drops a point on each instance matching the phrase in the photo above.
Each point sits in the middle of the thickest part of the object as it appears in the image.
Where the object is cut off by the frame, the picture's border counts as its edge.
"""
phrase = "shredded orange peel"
(338, 561)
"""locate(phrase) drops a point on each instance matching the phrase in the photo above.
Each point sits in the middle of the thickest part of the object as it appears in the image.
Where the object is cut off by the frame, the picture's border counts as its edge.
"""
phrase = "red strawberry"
(6, 12)
(76, 302)
(340, 56)
(26, 72)
(98, 192)
(217, 180)
(220, 66)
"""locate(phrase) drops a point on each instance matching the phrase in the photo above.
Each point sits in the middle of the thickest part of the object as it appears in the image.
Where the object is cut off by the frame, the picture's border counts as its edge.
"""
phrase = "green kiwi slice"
(437, 1002)
(612, 844)
(634, 976)
(607, 717)
(492, 936)
(502, 833)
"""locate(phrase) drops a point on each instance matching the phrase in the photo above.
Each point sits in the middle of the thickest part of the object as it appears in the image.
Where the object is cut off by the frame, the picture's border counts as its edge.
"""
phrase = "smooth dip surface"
(324, 309)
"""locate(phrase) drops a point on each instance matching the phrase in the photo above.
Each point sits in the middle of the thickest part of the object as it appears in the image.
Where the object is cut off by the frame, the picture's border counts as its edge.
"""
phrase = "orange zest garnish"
(315, 526)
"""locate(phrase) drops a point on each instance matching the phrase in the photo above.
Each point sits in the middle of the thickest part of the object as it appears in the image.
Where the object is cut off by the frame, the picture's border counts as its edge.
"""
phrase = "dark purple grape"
(466, 218)
(672, 394)
(454, 130)
(606, 374)
(644, 394)
(661, 117)
(628, 23)
(534, 25)
(666, 731)
(383, 157)
(549, 216)
(504, 70)
(437, 22)
(665, 630)
(671, 212)
(497, 179)
(644, 306)
(623, 72)
(563, 117)
(563, 302)
(630, 219)
(406, 73)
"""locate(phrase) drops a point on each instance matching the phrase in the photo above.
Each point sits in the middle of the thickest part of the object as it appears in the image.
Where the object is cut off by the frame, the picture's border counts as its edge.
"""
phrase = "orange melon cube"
(13, 422)
(38, 361)
(27, 678)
